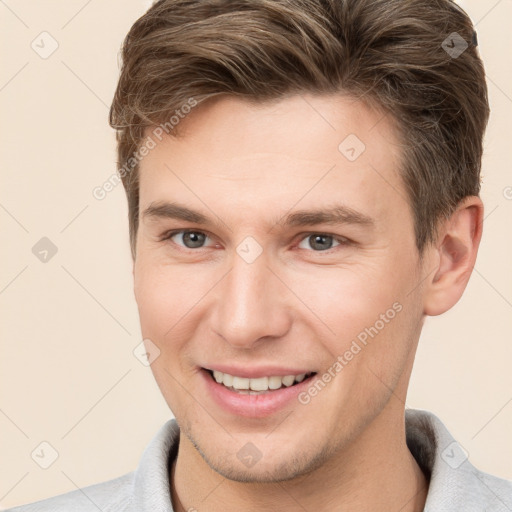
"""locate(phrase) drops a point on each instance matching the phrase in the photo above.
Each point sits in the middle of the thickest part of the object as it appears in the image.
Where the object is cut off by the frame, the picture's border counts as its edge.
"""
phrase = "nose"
(251, 304)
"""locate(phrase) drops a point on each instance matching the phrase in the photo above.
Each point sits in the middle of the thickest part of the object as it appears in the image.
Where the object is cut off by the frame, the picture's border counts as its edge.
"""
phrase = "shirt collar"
(151, 491)
(455, 484)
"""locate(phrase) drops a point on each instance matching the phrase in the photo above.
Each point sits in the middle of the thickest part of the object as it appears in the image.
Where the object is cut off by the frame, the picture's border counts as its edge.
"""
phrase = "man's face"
(255, 292)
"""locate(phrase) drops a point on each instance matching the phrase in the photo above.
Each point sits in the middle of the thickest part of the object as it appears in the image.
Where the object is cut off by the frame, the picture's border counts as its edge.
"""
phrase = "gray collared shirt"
(455, 484)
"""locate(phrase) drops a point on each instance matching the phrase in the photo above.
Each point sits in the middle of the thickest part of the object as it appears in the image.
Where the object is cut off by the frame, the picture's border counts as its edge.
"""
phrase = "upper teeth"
(259, 384)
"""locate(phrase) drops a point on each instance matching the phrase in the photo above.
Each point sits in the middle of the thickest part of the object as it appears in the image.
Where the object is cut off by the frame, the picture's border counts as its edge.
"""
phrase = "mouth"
(257, 386)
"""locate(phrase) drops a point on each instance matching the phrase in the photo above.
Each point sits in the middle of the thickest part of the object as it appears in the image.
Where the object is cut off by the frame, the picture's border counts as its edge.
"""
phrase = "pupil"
(193, 239)
(320, 239)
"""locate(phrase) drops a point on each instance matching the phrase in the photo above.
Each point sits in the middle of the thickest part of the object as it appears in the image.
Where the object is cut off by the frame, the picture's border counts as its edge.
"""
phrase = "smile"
(258, 385)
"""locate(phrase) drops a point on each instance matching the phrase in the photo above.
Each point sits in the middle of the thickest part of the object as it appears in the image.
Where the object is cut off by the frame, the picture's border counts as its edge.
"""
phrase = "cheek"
(361, 315)
(168, 298)
(345, 300)
(172, 303)
(167, 295)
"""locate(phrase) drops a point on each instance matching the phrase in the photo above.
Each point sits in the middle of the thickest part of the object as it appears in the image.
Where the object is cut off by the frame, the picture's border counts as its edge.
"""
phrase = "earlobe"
(455, 254)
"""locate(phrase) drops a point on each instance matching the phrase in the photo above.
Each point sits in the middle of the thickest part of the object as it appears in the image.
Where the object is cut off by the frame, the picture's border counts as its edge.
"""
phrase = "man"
(303, 186)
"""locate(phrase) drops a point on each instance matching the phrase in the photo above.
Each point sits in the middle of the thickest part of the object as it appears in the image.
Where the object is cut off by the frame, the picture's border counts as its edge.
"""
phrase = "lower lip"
(252, 406)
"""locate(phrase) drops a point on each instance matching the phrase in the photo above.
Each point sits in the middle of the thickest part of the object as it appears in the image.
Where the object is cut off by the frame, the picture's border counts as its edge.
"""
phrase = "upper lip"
(256, 372)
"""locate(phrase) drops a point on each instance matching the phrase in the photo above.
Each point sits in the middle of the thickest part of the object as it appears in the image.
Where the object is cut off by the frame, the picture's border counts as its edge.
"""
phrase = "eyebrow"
(339, 214)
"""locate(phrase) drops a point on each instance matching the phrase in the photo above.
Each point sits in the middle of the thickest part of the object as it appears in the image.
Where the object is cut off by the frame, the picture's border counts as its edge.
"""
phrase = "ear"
(455, 255)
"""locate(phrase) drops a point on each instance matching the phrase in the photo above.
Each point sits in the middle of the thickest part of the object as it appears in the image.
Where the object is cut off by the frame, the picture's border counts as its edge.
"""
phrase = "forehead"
(265, 158)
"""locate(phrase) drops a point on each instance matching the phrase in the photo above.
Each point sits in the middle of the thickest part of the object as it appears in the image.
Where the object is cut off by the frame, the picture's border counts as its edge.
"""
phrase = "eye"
(189, 239)
(322, 242)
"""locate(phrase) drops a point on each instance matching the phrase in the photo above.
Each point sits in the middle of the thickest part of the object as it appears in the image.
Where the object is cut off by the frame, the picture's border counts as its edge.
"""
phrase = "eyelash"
(342, 241)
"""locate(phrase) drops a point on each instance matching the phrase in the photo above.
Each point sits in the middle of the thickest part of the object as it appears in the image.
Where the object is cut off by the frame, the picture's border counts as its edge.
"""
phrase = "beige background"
(69, 326)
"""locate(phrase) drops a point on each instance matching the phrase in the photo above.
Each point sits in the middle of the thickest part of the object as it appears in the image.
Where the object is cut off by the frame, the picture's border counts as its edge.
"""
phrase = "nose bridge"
(249, 305)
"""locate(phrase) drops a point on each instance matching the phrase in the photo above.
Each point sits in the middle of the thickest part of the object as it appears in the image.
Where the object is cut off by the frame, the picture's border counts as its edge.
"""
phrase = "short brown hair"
(393, 54)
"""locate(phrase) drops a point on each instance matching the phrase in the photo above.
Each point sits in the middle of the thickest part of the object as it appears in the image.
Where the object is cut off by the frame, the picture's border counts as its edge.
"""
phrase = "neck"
(371, 474)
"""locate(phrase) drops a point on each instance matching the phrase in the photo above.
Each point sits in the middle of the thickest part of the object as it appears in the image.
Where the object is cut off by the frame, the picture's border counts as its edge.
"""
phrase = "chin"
(275, 462)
